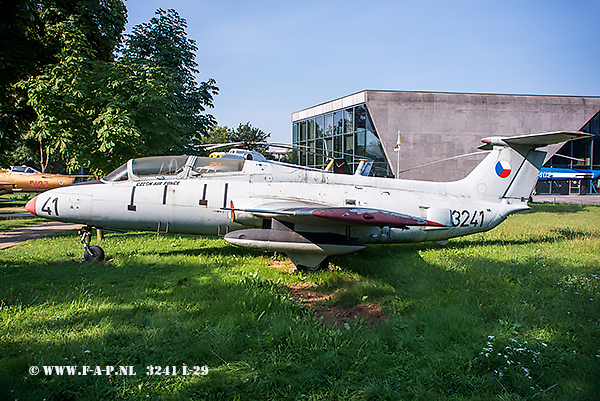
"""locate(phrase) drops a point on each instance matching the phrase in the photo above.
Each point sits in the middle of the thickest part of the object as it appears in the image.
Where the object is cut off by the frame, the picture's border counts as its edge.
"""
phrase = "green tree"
(251, 137)
(55, 94)
(162, 43)
(33, 33)
(20, 50)
(247, 133)
(218, 134)
(96, 113)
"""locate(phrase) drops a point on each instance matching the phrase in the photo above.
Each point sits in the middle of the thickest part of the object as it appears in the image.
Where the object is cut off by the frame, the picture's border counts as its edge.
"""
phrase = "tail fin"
(512, 167)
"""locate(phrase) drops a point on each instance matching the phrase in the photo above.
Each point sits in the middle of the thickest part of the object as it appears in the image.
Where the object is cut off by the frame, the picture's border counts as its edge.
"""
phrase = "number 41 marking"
(46, 207)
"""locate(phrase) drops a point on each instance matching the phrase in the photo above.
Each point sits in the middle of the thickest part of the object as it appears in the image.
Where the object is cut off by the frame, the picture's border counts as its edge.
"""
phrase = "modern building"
(429, 126)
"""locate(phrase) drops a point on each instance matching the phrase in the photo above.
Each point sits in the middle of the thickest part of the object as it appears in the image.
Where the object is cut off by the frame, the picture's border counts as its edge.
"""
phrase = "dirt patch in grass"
(283, 265)
(323, 303)
(332, 314)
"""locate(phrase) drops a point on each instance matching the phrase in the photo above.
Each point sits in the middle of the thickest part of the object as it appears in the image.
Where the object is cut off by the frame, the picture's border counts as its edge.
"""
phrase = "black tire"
(97, 253)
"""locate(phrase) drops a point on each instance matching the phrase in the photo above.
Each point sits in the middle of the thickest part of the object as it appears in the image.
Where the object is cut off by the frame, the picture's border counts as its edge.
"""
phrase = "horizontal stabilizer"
(532, 141)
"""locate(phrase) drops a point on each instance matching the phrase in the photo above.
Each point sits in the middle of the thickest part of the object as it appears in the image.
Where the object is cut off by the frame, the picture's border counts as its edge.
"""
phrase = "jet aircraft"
(552, 173)
(28, 179)
(305, 213)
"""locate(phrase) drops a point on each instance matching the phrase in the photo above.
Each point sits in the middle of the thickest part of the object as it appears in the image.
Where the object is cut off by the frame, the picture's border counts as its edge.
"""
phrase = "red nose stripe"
(30, 206)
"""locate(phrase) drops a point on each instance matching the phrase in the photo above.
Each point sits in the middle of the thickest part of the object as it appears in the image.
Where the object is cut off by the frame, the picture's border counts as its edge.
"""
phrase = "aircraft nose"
(30, 206)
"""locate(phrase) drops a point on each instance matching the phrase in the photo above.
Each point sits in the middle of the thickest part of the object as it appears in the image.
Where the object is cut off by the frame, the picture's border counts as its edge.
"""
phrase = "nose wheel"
(91, 252)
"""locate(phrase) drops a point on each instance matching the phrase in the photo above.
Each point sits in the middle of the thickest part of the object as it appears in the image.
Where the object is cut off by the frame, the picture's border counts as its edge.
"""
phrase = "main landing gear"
(92, 252)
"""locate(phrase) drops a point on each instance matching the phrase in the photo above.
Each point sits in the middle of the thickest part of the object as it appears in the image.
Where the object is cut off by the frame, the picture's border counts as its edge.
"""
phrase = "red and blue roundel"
(503, 169)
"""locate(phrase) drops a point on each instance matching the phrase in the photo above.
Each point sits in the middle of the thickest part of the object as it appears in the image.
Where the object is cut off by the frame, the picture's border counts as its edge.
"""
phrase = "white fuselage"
(198, 204)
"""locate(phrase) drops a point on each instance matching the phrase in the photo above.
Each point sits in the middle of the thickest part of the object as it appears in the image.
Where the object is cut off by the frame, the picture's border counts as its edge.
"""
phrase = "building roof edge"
(362, 97)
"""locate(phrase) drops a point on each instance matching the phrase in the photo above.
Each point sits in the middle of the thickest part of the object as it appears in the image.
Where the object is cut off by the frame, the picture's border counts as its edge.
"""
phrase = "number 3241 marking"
(464, 218)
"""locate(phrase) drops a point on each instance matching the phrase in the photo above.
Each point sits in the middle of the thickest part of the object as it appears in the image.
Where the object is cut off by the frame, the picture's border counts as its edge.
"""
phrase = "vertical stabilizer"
(512, 167)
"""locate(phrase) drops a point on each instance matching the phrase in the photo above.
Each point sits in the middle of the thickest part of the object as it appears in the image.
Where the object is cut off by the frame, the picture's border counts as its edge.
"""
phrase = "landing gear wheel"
(93, 252)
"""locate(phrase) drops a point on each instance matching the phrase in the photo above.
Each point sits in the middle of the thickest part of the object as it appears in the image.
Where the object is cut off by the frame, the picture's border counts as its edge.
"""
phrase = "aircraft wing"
(327, 215)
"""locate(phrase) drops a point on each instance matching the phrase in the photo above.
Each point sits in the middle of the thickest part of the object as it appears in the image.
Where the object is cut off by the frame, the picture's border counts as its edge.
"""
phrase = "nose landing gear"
(92, 252)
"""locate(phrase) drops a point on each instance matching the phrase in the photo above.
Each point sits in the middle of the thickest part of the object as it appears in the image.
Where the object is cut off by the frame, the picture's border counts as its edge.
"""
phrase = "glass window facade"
(348, 133)
(587, 150)
(587, 153)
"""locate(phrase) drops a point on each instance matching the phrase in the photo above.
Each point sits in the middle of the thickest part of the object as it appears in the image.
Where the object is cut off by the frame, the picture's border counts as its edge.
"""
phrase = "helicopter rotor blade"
(212, 146)
(301, 148)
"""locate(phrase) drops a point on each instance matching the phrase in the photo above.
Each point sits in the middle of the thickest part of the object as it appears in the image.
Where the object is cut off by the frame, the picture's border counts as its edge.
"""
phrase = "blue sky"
(272, 58)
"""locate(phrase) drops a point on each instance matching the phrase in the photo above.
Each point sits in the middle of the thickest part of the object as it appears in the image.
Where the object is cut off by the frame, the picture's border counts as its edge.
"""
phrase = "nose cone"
(30, 206)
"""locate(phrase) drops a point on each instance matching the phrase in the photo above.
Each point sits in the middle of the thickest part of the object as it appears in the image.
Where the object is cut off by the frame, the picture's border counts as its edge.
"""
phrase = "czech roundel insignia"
(503, 169)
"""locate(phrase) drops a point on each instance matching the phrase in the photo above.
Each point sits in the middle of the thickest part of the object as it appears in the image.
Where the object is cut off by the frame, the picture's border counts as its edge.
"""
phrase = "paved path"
(6, 216)
(14, 236)
(572, 199)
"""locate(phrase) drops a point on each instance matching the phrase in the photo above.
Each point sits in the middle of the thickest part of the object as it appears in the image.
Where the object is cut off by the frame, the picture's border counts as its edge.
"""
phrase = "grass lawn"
(512, 314)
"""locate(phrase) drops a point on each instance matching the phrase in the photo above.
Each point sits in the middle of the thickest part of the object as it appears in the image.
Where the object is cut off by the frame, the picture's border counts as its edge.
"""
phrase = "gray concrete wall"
(435, 126)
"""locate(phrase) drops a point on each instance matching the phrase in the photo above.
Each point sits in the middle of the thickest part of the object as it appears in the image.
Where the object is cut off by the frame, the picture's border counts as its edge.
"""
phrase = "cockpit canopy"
(119, 174)
(23, 169)
(174, 167)
(211, 165)
(158, 166)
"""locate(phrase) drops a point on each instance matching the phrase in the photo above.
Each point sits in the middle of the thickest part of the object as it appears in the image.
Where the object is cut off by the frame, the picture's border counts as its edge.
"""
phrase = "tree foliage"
(33, 33)
(162, 44)
(218, 134)
(93, 109)
(248, 133)
(252, 137)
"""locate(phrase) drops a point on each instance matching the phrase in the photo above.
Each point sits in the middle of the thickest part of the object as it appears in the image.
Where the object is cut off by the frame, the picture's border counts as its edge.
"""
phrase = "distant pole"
(397, 150)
